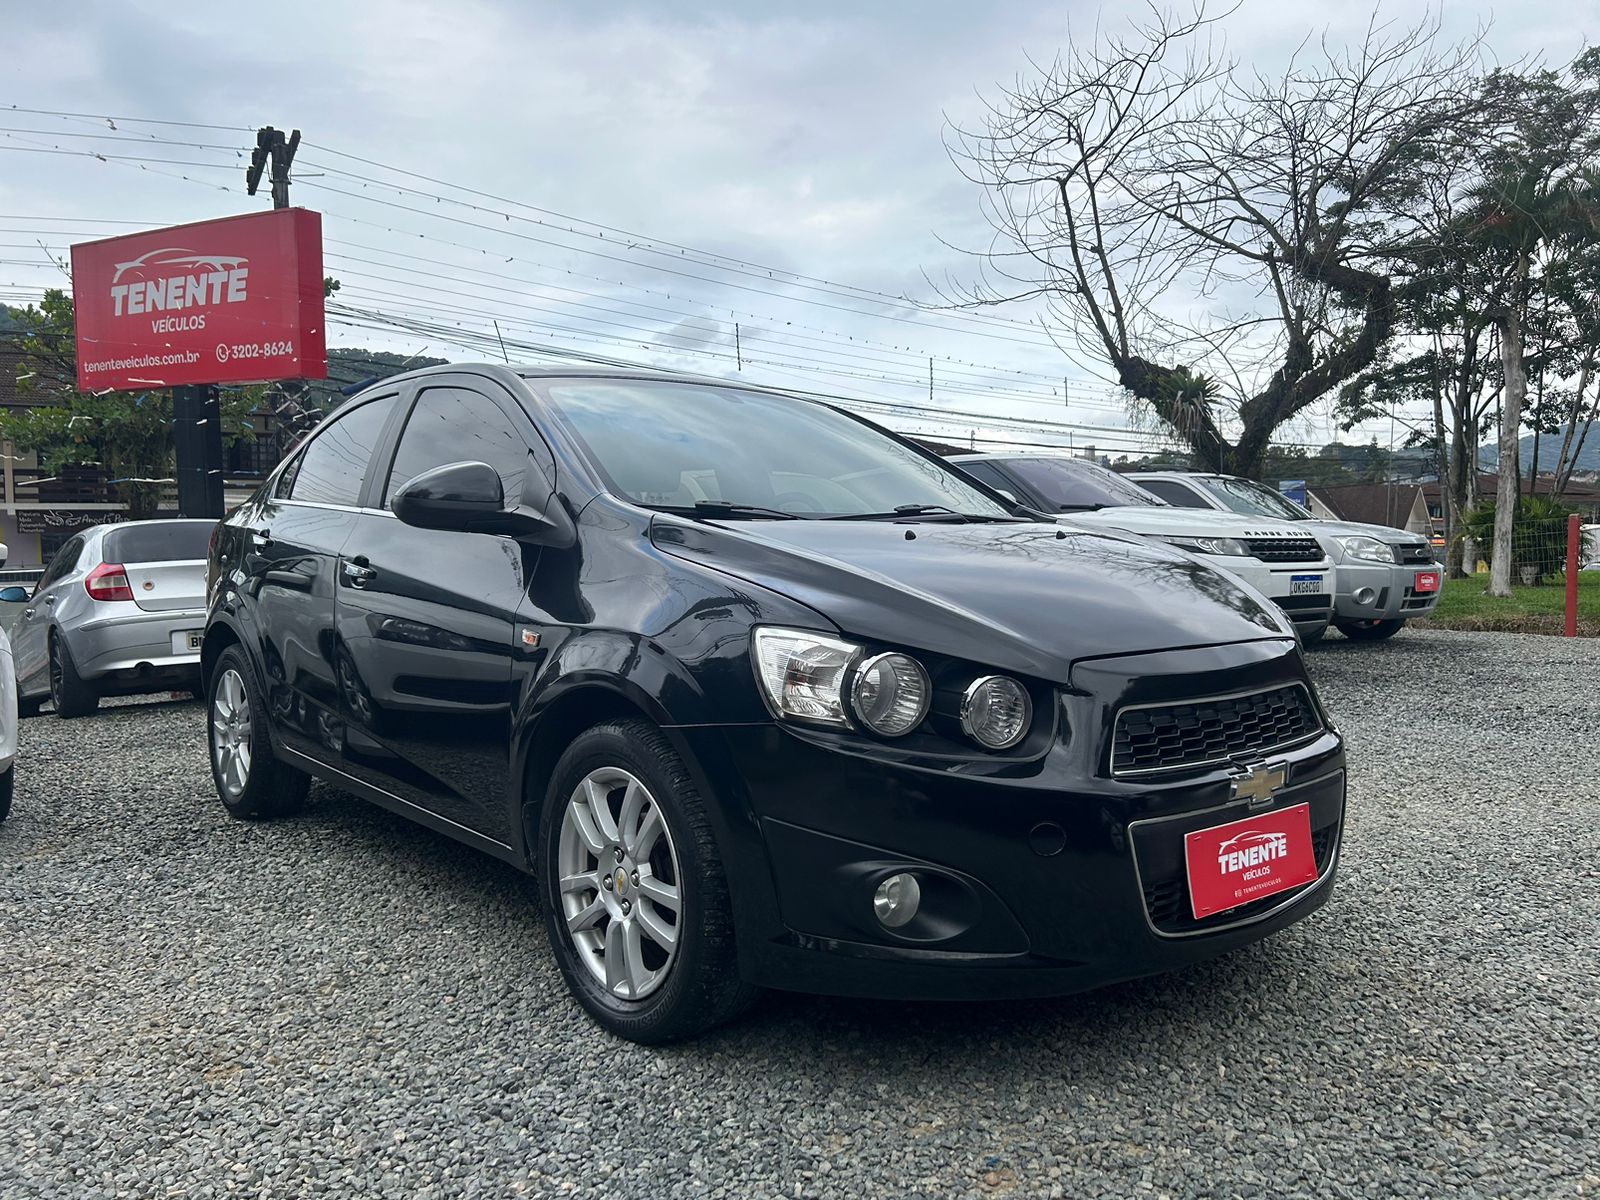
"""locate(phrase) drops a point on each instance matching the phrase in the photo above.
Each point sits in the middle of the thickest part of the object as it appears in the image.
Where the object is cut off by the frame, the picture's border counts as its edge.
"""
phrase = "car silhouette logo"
(1250, 837)
(176, 257)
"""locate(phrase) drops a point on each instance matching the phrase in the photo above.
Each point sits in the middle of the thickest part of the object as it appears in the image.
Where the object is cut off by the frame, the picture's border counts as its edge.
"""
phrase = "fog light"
(1364, 595)
(896, 900)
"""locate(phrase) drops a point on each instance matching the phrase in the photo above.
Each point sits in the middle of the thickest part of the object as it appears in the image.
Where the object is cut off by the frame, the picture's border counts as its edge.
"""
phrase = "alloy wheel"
(621, 890)
(230, 733)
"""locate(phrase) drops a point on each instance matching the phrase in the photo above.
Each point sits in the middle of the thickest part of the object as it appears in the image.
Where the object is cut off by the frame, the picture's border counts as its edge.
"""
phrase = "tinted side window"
(452, 424)
(1173, 493)
(335, 460)
(66, 558)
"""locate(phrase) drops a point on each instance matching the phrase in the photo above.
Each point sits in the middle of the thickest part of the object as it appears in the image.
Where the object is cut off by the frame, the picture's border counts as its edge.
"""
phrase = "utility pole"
(738, 352)
(197, 409)
(272, 146)
(930, 379)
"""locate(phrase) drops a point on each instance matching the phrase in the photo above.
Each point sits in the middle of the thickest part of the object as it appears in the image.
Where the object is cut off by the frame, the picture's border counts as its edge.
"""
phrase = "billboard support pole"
(197, 432)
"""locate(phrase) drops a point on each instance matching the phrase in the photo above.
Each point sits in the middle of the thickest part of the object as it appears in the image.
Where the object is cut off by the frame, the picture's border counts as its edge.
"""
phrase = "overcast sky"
(806, 139)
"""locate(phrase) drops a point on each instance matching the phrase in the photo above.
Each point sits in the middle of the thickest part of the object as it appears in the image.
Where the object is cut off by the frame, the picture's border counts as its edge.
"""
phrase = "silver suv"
(120, 609)
(1385, 576)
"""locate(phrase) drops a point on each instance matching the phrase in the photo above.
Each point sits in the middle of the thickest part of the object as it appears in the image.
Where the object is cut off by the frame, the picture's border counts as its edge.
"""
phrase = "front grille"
(1414, 556)
(1285, 549)
(1167, 736)
(1167, 899)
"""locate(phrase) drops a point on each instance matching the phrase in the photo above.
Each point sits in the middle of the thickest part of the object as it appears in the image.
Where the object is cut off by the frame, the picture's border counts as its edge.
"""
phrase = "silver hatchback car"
(120, 609)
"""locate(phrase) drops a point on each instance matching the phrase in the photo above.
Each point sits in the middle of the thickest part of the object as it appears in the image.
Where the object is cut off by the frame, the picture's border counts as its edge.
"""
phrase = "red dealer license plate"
(1427, 581)
(1248, 860)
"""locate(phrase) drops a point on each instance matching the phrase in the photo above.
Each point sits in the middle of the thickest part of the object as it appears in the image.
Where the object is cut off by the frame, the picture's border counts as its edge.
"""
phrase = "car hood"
(1170, 520)
(1029, 598)
(1384, 533)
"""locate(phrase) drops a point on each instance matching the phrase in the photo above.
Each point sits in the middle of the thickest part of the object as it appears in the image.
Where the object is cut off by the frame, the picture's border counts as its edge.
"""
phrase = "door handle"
(356, 573)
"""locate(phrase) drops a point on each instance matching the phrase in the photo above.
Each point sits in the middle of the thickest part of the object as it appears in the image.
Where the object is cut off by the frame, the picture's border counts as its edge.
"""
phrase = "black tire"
(267, 787)
(8, 784)
(71, 694)
(1370, 631)
(1312, 638)
(701, 986)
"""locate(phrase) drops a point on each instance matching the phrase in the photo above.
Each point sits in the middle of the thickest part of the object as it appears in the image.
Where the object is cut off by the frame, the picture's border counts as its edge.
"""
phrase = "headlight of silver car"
(1210, 545)
(1368, 549)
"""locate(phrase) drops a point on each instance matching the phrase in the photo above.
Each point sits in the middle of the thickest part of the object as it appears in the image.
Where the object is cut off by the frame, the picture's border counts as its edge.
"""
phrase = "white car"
(1282, 562)
(8, 720)
(1385, 576)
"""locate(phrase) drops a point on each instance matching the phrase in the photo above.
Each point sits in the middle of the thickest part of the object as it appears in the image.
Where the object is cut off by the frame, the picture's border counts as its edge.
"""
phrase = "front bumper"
(137, 648)
(1309, 611)
(1039, 879)
(1393, 587)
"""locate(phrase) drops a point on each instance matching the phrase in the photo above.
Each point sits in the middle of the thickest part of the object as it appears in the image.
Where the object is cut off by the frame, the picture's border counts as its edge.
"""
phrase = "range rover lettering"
(763, 695)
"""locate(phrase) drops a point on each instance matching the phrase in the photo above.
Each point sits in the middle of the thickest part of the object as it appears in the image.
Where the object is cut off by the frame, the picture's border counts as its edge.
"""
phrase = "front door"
(427, 620)
(291, 558)
(30, 637)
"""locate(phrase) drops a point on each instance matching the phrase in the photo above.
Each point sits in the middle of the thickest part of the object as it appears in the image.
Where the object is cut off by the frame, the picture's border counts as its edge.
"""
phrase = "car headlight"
(802, 673)
(890, 693)
(1210, 545)
(995, 712)
(1368, 549)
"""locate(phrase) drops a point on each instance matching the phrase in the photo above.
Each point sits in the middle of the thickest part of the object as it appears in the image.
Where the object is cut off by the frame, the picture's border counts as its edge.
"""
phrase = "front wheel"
(635, 897)
(1369, 631)
(251, 781)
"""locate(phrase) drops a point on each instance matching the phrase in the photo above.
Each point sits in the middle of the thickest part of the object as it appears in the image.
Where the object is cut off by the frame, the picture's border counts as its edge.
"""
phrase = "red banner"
(238, 300)
(1251, 859)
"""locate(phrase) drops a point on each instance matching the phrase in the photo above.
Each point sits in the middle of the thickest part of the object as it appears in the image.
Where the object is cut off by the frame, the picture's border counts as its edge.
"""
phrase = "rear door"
(30, 647)
(427, 619)
(291, 558)
(165, 562)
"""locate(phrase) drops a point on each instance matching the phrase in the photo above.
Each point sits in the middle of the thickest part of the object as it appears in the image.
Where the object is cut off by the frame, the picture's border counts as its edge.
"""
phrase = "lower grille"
(1167, 899)
(1285, 549)
(1308, 602)
(1169, 736)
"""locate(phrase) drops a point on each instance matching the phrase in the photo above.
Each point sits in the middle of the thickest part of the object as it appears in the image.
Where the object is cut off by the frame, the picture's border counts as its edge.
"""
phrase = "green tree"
(128, 435)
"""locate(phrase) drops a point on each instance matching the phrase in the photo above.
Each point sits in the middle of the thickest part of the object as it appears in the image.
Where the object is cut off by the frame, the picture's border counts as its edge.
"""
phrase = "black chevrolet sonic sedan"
(764, 696)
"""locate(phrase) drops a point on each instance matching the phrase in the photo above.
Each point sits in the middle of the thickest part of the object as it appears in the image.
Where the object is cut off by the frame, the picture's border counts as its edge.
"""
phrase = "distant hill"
(1549, 450)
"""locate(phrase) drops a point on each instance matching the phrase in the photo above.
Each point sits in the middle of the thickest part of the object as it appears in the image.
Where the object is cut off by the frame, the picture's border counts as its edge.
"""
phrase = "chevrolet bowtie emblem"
(1259, 783)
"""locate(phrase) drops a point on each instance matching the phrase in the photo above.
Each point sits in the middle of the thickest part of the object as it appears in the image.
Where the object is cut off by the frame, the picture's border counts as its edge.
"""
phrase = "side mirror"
(1008, 495)
(13, 595)
(466, 497)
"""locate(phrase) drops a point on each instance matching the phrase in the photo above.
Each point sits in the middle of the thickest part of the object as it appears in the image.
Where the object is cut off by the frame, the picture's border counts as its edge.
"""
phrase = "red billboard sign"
(238, 300)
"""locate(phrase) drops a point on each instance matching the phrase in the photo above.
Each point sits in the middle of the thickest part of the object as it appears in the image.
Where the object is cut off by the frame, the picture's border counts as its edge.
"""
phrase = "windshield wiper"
(1085, 507)
(936, 511)
(726, 509)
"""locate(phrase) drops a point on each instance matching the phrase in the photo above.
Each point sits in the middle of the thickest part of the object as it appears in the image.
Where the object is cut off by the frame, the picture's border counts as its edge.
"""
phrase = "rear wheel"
(635, 898)
(251, 781)
(1369, 631)
(72, 695)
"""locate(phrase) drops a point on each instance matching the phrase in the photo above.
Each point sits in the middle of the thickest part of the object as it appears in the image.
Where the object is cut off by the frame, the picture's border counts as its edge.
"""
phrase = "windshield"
(676, 445)
(1252, 499)
(1068, 483)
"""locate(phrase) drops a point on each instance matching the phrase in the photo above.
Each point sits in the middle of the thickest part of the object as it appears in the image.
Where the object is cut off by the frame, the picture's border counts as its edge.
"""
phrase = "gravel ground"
(345, 1004)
